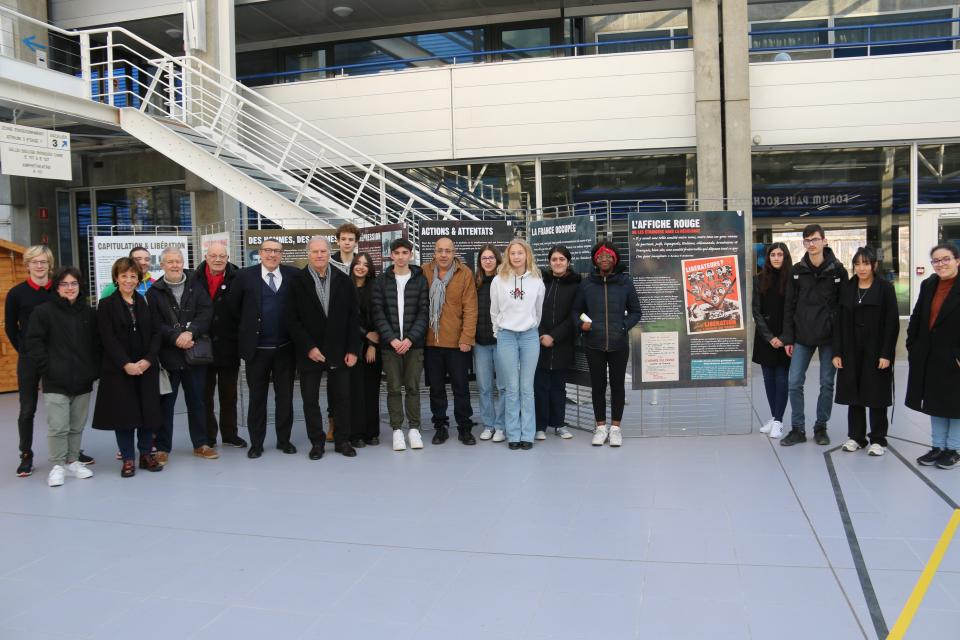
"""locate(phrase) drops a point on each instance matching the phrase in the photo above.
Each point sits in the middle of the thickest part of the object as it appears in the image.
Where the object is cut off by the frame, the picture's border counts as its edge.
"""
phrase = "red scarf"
(214, 282)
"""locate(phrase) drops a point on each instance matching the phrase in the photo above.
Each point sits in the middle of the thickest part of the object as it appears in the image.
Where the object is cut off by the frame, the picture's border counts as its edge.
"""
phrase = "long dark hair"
(562, 250)
(371, 269)
(479, 269)
(768, 277)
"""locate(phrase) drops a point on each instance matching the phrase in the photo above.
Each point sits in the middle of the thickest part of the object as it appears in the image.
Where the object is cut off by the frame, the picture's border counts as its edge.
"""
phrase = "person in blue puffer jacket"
(605, 309)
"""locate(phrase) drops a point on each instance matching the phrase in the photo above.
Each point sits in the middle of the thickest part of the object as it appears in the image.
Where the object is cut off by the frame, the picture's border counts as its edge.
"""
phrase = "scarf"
(214, 282)
(438, 295)
(323, 288)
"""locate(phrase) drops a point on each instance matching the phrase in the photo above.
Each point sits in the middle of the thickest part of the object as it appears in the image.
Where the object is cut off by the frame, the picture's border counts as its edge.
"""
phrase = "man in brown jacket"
(450, 336)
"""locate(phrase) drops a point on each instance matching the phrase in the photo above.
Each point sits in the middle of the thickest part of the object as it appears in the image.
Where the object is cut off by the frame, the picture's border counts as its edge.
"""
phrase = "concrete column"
(706, 55)
(885, 221)
(736, 105)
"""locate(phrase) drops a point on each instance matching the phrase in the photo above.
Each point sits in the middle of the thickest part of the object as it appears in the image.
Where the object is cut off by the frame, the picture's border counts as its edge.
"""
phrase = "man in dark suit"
(324, 323)
(259, 297)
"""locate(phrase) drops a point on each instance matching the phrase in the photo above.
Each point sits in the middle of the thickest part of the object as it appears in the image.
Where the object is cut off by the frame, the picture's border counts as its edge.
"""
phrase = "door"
(934, 225)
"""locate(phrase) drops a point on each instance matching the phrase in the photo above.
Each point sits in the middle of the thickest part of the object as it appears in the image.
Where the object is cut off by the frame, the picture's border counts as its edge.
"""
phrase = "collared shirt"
(36, 287)
(277, 276)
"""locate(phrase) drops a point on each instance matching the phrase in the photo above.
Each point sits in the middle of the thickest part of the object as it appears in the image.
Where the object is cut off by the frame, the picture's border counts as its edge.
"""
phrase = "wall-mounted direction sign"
(34, 153)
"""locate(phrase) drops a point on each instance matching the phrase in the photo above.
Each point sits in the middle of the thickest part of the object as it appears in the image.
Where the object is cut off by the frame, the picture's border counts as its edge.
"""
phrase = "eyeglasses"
(271, 251)
(810, 241)
(942, 261)
(488, 258)
(40, 263)
(69, 285)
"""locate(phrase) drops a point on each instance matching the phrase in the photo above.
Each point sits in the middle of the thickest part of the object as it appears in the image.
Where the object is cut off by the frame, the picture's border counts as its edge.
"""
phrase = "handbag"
(201, 353)
(165, 386)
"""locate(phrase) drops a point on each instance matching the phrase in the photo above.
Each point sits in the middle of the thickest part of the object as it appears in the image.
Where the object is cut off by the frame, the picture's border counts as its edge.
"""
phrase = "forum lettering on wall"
(467, 235)
(688, 268)
(107, 249)
(578, 234)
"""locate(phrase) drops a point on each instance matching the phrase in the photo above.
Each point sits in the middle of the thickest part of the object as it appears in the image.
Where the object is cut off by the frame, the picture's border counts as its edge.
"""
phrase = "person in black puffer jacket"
(63, 343)
(810, 310)
(485, 349)
(609, 299)
(769, 289)
(556, 343)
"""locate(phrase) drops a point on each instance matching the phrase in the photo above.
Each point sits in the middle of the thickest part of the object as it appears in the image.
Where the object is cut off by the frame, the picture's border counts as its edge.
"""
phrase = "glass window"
(664, 178)
(84, 220)
(887, 34)
(65, 230)
(636, 26)
(299, 60)
(525, 39)
(791, 39)
(391, 54)
(938, 174)
(655, 40)
(493, 185)
(254, 63)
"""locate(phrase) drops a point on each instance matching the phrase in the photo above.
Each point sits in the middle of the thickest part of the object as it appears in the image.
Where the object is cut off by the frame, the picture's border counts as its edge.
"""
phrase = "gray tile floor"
(673, 537)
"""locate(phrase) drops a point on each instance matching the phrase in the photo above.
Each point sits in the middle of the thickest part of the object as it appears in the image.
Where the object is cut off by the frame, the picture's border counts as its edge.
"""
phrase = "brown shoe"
(149, 462)
(330, 430)
(161, 457)
(206, 453)
(127, 470)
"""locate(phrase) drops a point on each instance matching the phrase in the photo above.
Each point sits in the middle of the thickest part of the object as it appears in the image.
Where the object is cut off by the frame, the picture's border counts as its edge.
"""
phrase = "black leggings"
(599, 361)
(857, 425)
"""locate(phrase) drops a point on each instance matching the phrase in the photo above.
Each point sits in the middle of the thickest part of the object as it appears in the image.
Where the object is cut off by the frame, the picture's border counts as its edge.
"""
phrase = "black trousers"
(338, 402)
(365, 398)
(268, 365)
(599, 362)
(440, 362)
(28, 381)
(857, 425)
(222, 380)
(550, 397)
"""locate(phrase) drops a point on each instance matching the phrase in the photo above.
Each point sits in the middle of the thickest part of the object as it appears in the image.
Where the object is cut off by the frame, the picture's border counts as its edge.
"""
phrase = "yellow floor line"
(923, 583)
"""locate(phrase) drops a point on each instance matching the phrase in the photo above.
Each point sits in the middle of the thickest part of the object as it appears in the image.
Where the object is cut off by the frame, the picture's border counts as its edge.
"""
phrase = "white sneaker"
(541, 435)
(399, 443)
(875, 450)
(616, 437)
(851, 445)
(599, 436)
(55, 479)
(767, 426)
(499, 435)
(564, 433)
(486, 434)
(416, 441)
(776, 430)
(78, 470)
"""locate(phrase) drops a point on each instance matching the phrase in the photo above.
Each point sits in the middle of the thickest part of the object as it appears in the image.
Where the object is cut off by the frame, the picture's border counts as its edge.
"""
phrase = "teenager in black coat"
(769, 290)
(129, 397)
(365, 376)
(933, 348)
(864, 345)
(557, 332)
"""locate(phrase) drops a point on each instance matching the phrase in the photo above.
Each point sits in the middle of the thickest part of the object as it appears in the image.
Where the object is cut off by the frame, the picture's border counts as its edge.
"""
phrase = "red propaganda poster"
(712, 295)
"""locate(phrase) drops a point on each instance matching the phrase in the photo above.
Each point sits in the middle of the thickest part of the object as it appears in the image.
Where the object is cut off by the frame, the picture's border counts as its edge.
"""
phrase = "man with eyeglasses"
(259, 299)
(810, 309)
(216, 275)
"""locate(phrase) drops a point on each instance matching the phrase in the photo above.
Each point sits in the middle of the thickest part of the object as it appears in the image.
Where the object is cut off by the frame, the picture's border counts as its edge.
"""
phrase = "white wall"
(72, 14)
(557, 105)
(903, 97)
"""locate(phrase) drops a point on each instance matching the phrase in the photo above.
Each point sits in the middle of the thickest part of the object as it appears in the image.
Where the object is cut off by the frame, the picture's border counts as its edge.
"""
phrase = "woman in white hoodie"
(516, 302)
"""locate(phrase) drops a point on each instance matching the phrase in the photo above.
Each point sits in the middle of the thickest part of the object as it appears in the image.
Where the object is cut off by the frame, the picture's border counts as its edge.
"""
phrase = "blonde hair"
(506, 269)
(36, 251)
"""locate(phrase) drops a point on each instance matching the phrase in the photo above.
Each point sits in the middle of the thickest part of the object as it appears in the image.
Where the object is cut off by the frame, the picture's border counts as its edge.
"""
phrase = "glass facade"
(669, 178)
(938, 174)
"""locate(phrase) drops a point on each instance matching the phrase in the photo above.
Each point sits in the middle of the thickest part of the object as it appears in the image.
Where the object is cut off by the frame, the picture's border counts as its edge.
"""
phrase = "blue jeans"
(193, 380)
(775, 383)
(802, 354)
(517, 355)
(491, 408)
(945, 432)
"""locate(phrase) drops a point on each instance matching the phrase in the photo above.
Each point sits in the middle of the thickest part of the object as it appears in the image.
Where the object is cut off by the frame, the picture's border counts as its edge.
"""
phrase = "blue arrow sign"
(32, 44)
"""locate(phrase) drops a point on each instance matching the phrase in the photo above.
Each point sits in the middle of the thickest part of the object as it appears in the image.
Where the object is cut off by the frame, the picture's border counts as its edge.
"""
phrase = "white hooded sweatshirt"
(516, 302)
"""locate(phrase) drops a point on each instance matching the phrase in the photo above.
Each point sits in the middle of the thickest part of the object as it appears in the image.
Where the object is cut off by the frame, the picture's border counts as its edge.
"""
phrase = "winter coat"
(458, 319)
(934, 379)
(124, 401)
(193, 314)
(612, 304)
(223, 324)
(866, 330)
(416, 307)
(244, 300)
(768, 320)
(365, 313)
(484, 323)
(63, 343)
(335, 333)
(812, 297)
(21, 300)
(555, 320)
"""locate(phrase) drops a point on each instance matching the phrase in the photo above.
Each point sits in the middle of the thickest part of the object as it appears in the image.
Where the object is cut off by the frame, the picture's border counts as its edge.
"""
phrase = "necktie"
(272, 283)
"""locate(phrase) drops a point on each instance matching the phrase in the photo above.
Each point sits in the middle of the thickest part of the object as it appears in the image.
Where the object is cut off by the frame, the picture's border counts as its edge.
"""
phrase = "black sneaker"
(84, 459)
(930, 457)
(237, 442)
(949, 459)
(820, 435)
(26, 464)
(795, 436)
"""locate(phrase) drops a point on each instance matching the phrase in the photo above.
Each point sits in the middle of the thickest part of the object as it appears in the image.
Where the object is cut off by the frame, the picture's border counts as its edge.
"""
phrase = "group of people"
(853, 324)
(153, 334)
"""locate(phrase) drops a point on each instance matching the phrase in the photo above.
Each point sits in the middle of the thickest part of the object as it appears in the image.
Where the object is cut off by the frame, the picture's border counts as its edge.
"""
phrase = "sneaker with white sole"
(875, 450)
(499, 435)
(541, 435)
(776, 430)
(564, 433)
(599, 436)
(486, 434)
(55, 479)
(399, 443)
(851, 445)
(416, 440)
(79, 470)
(616, 437)
(767, 426)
